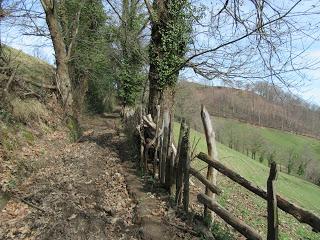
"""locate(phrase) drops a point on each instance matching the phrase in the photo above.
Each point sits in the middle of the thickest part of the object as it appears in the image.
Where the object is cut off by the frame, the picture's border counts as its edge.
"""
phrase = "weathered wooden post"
(165, 144)
(272, 203)
(172, 173)
(186, 167)
(213, 153)
(156, 142)
(160, 152)
(169, 156)
(180, 156)
(142, 140)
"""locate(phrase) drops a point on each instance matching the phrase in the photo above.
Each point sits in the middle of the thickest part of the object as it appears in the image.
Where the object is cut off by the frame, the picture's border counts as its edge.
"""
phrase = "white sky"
(41, 47)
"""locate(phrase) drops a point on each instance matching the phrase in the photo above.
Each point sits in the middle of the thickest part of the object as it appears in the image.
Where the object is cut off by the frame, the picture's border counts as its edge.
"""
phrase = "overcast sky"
(41, 47)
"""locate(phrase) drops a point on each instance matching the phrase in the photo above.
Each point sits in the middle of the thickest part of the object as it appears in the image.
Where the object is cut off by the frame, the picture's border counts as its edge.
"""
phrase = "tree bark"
(62, 73)
(163, 95)
(154, 91)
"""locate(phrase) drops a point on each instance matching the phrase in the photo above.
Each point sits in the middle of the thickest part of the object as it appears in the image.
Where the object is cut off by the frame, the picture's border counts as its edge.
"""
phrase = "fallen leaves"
(80, 185)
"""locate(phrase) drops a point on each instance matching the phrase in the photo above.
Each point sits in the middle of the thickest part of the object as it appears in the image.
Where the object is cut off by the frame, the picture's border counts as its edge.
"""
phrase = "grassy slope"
(30, 68)
(241, 202)
(279, 139)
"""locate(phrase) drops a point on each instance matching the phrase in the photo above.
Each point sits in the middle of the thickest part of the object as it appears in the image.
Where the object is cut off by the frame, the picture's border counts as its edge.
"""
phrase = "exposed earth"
(87, 190)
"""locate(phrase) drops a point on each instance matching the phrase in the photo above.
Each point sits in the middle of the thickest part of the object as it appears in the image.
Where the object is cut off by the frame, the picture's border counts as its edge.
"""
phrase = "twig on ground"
(30, 204)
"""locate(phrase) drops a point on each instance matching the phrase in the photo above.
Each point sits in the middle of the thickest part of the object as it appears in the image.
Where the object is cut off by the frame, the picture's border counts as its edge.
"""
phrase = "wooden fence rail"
(240, 226)
(201, 178)
(299, 213)
(171, 166)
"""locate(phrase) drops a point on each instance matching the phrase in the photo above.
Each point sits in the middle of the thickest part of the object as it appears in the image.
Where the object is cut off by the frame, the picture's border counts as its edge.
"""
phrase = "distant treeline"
(260, 104)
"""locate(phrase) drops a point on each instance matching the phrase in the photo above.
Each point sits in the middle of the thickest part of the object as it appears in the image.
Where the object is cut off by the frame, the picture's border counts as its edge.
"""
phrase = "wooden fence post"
(213, 153)
(169, 156)
(160, 151)
(156, 142)
(299, 213)
(172, 174)
(180, 156)
(165, 144)
(186, 167)
(142, 140)
(272, 203)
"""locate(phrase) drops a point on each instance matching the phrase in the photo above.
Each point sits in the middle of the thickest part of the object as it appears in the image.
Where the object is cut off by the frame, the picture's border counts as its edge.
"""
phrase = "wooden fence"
(171, 166)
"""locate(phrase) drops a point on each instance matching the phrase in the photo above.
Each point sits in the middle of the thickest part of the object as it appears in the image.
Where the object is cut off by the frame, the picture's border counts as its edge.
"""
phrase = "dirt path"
(79, 193)
(85, 190)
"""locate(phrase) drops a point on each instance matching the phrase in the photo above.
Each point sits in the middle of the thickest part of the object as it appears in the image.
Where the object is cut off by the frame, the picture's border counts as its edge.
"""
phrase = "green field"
(280, 140)
(247, 205)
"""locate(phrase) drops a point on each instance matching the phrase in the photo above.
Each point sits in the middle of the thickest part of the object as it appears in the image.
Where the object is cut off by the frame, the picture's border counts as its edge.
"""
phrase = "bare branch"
(150, 10)
(115, 10)
(234, 40)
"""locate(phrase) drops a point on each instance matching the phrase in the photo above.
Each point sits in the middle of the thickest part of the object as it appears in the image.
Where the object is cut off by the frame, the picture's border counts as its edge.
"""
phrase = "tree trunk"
(154, 91)
(61, 56)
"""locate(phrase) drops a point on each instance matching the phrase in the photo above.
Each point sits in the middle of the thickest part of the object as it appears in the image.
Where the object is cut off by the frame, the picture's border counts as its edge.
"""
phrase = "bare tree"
(257, 40)
(62, 52)
(32, 21)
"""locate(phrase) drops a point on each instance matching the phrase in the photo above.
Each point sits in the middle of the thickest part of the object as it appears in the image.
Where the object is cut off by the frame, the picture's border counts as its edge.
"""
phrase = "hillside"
(298, 155)
(28, 67)
(248, 206)
(28, 113)
(261, 104)
(255, 126)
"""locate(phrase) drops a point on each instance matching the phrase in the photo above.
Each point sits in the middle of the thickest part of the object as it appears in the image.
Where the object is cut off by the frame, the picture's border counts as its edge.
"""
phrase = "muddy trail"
(90, 190)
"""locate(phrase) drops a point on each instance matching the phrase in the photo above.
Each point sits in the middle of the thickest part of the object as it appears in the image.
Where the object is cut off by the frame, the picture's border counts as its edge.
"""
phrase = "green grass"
(249, 206)
(298, 190)
(279, 140)
(31, 68)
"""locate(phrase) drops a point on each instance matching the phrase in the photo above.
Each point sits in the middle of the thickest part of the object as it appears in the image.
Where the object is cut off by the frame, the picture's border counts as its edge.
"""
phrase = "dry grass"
(29, 110)
(31, 68)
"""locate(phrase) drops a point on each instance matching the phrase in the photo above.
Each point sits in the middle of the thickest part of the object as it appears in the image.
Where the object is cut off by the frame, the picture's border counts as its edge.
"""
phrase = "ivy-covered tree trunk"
(170, 32)
(154, 89)
(130, 78)
(154, 54)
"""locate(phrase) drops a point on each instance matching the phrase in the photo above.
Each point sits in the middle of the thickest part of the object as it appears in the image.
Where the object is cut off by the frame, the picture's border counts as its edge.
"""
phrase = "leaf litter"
(77, 191)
